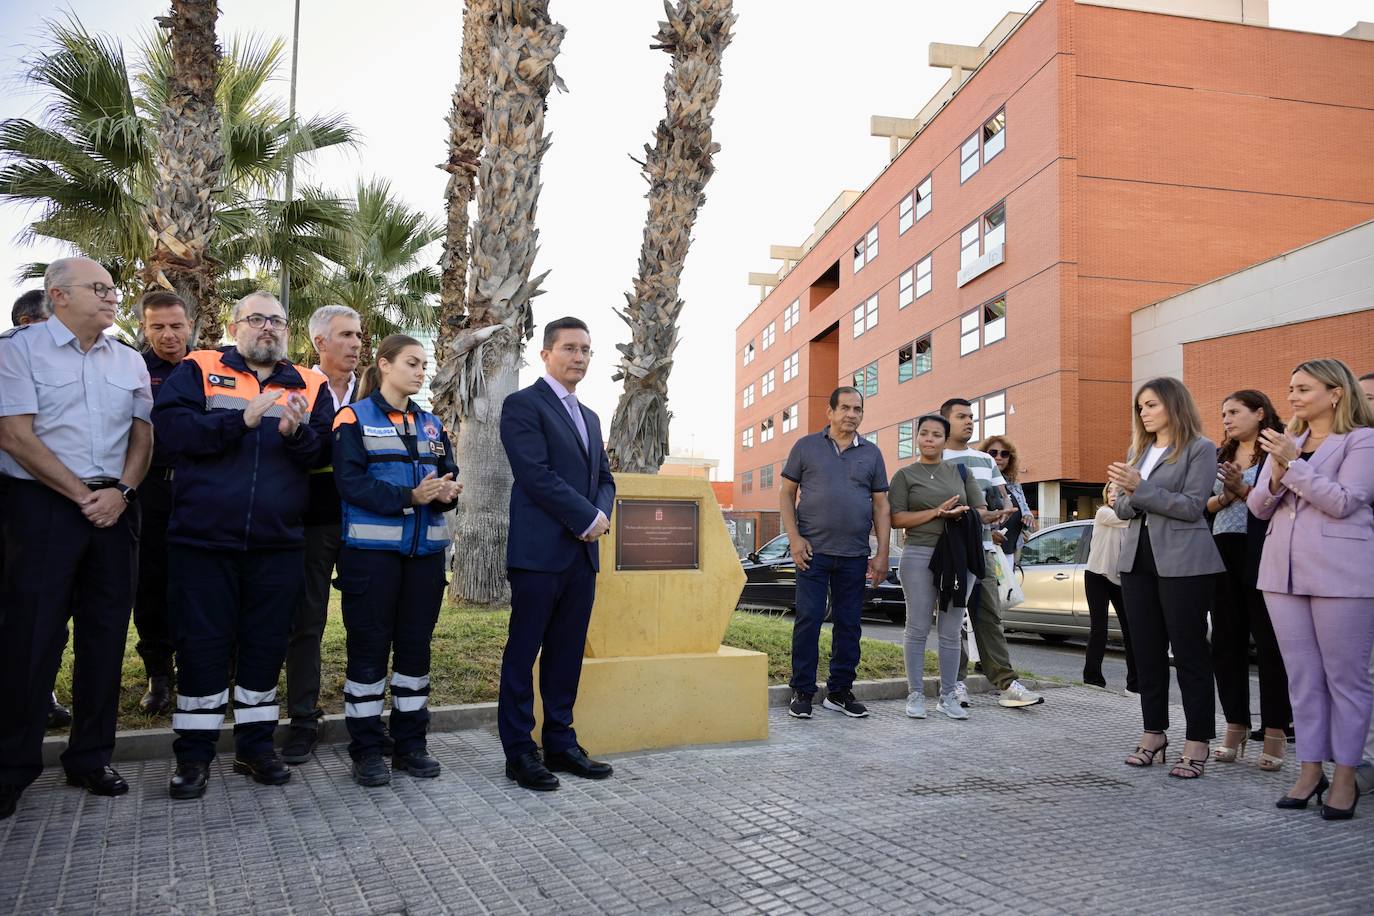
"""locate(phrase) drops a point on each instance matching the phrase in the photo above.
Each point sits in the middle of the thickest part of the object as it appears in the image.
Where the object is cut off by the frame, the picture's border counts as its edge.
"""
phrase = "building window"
(748, 395)
(968, 159)
(789, 366)
(994, 227)
(766, 477)
(766, 431)
(749, 353)
(914, 206)
(914, 359)
(866, 315)
(923, 198)
(746, 482)
(746, 438)
(866, 379)
(866, 249)
(982, 326)
(871, 437)
(905, 446)
(789, 417)
(994, 415)
(968, 245)
(923, 267)
(768, 334)
(766, 386)
(792, 315)
(994, 136)
(968, 332)
(904, 213)
(905, 288)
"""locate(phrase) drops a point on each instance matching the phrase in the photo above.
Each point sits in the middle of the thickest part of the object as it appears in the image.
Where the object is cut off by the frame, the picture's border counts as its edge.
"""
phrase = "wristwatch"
(129, 493)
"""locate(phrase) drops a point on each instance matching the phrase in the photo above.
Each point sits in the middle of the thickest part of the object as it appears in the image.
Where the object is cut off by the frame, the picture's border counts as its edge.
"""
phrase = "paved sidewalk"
(1012, 811)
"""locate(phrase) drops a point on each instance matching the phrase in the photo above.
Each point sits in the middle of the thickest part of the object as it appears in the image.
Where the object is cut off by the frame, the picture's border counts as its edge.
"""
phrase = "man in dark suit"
(560, 505)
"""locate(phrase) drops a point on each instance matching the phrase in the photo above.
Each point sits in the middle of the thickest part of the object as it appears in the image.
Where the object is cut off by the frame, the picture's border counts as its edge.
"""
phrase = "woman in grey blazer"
(1168, 561)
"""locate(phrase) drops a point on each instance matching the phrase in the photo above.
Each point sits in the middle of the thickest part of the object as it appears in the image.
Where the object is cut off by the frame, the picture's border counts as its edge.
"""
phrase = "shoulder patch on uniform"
(223, 381)
(14, 330)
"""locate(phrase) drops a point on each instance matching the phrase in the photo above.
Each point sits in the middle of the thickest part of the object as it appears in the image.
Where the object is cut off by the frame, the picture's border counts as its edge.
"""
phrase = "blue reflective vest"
(420, 530)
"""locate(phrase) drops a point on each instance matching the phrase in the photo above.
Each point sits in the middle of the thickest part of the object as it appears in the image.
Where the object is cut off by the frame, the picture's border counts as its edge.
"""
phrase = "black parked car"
(771, 583)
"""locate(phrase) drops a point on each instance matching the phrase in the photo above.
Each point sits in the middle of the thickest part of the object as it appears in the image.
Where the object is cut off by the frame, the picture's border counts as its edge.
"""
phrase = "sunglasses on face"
(999, 453)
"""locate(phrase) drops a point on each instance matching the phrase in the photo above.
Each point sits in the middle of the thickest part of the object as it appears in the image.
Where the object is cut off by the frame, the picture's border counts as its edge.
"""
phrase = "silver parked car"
(1051, 576)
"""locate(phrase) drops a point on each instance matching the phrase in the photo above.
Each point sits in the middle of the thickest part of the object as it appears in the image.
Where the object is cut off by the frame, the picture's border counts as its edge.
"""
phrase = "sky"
(800, 81)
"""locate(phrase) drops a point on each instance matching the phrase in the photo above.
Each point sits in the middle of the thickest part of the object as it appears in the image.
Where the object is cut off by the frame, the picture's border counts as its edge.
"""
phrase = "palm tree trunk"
(464, 154)
(180, 216)
(677, 168)
(487, 352)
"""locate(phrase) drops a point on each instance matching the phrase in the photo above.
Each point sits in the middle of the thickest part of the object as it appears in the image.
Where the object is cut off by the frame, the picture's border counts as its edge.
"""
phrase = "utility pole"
(291, 161)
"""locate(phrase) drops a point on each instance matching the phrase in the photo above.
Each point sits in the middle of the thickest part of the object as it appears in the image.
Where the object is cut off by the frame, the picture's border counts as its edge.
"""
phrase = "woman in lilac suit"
(1317, 574)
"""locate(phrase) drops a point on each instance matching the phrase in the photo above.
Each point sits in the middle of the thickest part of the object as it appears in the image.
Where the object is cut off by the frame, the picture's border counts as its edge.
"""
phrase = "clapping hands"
(436, 489)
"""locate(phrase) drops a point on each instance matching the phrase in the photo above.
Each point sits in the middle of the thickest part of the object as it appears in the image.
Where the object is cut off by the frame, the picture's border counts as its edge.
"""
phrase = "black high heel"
(1290, 803)
(1341, 814)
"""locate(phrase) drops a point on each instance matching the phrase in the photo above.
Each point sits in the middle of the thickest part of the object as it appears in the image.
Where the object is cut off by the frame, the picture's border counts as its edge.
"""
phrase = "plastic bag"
(1009, 592)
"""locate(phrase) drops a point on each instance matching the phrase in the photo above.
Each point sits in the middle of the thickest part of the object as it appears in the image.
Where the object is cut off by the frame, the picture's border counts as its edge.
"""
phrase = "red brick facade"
(1144, 154)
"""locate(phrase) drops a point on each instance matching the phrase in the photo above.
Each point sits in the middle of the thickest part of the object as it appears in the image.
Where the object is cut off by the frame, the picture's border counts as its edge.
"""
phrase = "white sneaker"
(916, 705)
(1017, 694)
(949, 705)
(1132, 694)
(961, 693)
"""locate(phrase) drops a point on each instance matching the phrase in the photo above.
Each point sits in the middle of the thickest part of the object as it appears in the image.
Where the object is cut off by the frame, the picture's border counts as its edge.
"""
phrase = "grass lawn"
(466, 662)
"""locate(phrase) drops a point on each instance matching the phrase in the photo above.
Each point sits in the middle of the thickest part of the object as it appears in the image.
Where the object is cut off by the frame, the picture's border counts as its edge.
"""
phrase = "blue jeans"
(843, 579)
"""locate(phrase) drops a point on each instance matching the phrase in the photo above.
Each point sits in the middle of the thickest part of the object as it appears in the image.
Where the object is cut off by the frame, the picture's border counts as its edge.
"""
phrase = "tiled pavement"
(1013, 811)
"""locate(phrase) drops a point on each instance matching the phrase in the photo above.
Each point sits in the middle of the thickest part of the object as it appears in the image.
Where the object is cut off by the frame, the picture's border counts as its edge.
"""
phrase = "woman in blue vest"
(394, 466)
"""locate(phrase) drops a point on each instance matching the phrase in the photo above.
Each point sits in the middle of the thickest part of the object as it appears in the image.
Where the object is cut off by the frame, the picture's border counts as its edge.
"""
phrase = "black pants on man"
(150, 602)
(1170, 611)
(221, 599)
(60, 567)
(307, 626)
(549, 610)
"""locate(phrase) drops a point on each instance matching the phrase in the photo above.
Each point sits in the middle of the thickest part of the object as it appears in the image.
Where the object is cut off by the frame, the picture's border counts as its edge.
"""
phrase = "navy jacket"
(236, 488)
(558, 485)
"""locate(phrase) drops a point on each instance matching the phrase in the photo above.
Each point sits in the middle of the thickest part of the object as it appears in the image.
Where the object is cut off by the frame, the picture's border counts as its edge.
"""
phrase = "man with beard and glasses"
(246, 427)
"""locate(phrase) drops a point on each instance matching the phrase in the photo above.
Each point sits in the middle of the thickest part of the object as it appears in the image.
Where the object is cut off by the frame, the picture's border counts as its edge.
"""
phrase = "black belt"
(100, 483)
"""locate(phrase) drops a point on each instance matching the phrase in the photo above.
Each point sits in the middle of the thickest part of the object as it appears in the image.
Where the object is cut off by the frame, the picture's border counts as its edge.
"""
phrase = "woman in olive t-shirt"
(923, 495)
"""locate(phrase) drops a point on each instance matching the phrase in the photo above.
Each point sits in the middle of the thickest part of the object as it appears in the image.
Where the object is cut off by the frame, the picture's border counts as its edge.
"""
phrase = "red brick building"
(1086, 161)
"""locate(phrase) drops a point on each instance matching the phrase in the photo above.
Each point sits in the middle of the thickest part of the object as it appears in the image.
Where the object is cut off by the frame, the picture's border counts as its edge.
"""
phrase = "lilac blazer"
(1321, 527)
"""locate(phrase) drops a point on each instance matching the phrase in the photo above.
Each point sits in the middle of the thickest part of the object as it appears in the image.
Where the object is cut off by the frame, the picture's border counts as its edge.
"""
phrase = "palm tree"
(464, 154)
(90, 165)
(189, 159)
(484, 362)
(677, 167)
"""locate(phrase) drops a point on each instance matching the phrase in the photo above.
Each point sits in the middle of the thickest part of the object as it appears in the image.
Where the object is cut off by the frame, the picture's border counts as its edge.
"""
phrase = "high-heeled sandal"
(1268, 761)
(1188, 768)
(1224, 754)
(1143, 756)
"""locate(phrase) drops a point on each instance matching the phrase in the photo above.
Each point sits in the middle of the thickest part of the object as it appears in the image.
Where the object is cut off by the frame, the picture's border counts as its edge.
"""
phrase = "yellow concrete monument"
(654, 672)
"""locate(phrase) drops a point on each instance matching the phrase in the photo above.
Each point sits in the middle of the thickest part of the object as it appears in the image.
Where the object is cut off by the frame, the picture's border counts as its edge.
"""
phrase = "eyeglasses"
(256, 321)
(101, 290)
(999, 453)
(572, 350)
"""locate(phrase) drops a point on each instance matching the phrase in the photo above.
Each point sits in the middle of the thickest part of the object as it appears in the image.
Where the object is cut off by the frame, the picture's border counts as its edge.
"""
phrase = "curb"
(156, 743)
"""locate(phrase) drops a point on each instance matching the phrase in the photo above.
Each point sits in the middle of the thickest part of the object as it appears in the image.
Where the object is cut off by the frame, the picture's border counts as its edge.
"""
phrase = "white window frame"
(923, 275)
(769, 335)
(861, 377)
(872, 437)
(977, 330)
(993, 415)
(970, 243)
(748, 395)
(746, 482)
(746, 437)
(970, 329)
(792, 315)
(906, 217)
(994, 329)
(906, 292)
(749, 352)
(906, 437)
(866, 249)
(791, 367)
(768, 384)
(994, 235)
(969, 156)
(866, 316)
(996, 142)
(766, 477)
(766, 429)
(915, 360)
(789, 417)
(923, 197)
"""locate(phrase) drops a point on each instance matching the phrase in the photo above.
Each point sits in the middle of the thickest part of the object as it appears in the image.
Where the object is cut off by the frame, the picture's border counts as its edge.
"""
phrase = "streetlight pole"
(291, 159)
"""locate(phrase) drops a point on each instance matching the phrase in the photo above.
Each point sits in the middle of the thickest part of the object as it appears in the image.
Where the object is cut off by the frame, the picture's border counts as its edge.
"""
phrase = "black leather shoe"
(158, 698)
(9, 800)
(1340, 814)
(417, 763)
(575, 761)
(299, 744)
(371, 771)
(1289, 803)
(189, 780)
(267, 770)
(104, 781)
(59, 716)
(529, 771)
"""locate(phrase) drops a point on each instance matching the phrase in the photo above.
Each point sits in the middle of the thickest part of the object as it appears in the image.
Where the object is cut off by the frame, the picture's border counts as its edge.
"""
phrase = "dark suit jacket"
(559, 486)
(1175, 500)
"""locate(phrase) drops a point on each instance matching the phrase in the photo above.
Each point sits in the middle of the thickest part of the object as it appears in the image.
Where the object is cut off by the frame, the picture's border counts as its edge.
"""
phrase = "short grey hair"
(255, 294)
(319, 321)
(58, 273)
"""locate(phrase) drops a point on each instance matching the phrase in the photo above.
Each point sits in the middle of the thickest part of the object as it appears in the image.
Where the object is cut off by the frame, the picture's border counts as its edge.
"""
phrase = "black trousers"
(1100, 592)
(307, 626)
(390, 605)
(60, 567)
(549, 611)
(150, 601)
(1170, 611)
(1238, 613)
(220, 598)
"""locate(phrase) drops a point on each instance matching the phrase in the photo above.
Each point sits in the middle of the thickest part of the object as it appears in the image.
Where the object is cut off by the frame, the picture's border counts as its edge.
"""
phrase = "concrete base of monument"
(633, 703)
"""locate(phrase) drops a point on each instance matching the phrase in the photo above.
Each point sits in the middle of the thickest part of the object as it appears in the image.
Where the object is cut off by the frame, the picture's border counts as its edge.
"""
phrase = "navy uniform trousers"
(60, 567)
(551, 609)
(151, 620)
(390, 606)
(223, 602)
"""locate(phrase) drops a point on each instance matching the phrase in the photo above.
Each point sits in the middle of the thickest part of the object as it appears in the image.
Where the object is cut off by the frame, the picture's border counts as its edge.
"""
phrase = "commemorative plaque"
(655, 534)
